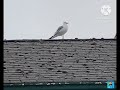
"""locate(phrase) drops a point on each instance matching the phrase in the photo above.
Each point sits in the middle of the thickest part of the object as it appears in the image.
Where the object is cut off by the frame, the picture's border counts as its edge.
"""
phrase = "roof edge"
(38, 40)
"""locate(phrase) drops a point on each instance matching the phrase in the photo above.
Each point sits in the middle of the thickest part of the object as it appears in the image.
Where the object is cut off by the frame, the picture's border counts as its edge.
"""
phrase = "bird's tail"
(52, 37)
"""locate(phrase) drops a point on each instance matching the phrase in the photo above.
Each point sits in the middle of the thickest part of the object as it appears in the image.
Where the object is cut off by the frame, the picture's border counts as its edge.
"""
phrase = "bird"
(61, 31)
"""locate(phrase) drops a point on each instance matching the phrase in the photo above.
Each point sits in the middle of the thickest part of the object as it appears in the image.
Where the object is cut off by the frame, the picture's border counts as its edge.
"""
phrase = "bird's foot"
(63, 37)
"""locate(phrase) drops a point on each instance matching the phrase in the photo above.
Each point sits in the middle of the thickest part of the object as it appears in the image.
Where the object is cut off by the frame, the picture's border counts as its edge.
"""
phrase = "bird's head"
(65, 22)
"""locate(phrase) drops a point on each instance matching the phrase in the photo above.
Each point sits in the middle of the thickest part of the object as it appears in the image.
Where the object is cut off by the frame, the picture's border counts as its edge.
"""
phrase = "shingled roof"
(69, 60)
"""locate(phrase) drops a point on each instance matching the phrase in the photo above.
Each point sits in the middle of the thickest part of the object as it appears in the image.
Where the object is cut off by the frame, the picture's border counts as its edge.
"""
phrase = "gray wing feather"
(58, 30)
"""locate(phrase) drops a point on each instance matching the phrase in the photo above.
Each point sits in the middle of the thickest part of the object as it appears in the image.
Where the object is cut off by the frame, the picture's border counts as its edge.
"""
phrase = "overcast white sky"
(39, 19)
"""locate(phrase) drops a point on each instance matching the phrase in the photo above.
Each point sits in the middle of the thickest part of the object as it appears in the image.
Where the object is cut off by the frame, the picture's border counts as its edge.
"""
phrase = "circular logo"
(106, 10)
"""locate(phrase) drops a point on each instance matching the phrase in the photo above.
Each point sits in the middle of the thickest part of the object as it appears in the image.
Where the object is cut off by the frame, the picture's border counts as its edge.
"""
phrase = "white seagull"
(61, 31)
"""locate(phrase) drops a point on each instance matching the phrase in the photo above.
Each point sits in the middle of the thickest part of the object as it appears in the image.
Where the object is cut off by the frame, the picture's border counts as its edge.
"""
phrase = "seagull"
(61, 31)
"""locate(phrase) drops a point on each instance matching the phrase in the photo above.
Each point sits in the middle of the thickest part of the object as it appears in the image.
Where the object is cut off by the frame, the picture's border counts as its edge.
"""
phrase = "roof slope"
(59, 60)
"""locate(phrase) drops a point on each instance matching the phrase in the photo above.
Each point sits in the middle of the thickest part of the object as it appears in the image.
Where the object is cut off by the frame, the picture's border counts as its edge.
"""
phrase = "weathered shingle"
(59, 60)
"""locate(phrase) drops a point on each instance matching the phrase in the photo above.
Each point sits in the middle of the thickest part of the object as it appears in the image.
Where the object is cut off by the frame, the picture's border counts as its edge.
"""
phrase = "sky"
(39, 19)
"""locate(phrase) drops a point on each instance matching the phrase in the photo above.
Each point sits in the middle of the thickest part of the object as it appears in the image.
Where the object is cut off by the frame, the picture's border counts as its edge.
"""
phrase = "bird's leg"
(62, 36)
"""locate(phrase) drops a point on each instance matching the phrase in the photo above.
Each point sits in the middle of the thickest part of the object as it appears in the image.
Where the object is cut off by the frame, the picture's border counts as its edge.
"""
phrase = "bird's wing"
(58, 30)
